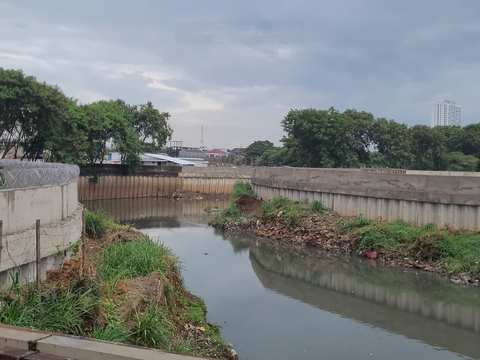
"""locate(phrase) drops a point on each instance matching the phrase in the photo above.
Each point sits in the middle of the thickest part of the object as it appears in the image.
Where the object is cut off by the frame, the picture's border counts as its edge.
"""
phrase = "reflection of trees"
(239, 244)
(338, 293)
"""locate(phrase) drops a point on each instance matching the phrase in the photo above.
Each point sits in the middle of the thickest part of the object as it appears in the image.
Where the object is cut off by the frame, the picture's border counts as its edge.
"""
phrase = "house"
(216, 153)
(238, 151)
(191, 153)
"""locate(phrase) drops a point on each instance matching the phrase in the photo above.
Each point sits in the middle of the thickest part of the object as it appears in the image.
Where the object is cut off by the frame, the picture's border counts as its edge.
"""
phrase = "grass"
(291, 211)
(68, 312)
(241, 188)
(451, 252)
(134, 259)
(96, 223)
(153, 329)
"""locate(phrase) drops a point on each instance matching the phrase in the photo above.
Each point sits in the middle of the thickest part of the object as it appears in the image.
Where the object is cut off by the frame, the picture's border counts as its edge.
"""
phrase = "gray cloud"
(392, 58)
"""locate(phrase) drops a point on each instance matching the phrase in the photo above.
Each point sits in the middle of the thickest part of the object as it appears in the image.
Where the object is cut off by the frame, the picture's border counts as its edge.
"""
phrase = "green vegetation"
(241, 188)
(453, 253)
(62, 311)
(291, 211)
(120, 305)
(41, 120)
(128, 260)
(96, 223)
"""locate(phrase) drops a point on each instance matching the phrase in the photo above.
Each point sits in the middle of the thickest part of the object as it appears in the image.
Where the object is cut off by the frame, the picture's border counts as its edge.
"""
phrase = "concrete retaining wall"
(416, 197)
(60, 215)
(161, 183)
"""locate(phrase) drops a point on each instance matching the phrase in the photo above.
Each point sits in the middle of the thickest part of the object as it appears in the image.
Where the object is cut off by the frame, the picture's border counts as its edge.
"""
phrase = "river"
(276, 303)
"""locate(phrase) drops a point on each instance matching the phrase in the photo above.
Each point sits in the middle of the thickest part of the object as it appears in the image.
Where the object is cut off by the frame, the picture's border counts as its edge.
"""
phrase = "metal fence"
(16, 174)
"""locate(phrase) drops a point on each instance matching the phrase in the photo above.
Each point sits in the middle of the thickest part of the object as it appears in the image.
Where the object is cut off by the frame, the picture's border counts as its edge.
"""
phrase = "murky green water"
(283, 304)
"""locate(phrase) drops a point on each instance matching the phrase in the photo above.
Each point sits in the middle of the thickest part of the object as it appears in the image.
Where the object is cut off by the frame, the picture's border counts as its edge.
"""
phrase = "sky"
(237, 67)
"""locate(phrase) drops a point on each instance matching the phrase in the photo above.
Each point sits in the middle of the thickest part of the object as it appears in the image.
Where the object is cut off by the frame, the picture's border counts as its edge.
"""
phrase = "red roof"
(216, 151)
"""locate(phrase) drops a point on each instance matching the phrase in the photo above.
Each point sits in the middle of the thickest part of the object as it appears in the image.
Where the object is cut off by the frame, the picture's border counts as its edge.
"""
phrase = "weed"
(134, 259)
(95, 223)
(114, 331)
(318, 207)
(460, 253)
(241, 188)
(429, 227)
(290, 210)
(55, 311)
(358, 222)
(153, 329)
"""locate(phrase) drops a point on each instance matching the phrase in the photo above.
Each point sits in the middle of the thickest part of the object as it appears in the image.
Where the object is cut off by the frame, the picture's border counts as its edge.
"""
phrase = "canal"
(277, 303)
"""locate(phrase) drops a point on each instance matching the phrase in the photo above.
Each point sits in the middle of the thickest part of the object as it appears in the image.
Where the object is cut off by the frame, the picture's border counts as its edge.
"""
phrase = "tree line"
(355, 139)
(38, 120)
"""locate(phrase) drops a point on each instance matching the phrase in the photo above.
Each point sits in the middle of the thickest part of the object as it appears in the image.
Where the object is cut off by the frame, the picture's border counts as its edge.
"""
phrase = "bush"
(241, 188)
(318, 207)
(96, 223)
(153, 329)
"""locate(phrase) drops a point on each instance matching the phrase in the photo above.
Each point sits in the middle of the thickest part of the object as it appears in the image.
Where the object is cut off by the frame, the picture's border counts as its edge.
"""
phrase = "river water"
(276, 303)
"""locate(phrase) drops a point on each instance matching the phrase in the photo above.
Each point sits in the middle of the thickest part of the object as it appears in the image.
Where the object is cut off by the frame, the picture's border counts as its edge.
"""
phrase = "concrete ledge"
(64, 346)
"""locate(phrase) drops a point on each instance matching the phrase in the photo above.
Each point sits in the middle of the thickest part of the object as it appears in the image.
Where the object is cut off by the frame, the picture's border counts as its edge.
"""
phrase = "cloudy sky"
(237, 67)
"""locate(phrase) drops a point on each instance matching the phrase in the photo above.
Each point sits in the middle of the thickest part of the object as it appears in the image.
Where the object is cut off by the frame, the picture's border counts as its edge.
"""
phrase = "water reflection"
(418, 305)
(294, 303)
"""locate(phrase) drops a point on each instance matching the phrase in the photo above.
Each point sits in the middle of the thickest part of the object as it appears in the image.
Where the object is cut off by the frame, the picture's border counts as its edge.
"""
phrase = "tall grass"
(153, 329)
(96, 223)
(55, 311)
(134, 259)
(241, 188)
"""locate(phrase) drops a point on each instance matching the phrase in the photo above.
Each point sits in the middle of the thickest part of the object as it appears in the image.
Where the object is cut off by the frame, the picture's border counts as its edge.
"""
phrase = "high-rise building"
(446, 112)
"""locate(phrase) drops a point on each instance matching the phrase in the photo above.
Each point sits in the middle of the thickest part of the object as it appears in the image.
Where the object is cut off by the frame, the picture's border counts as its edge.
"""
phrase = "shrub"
(318, 207)
(241, 188)
(95, 223)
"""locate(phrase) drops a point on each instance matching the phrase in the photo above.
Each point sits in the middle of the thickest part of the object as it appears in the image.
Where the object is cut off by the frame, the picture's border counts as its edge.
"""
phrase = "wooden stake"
(38, 260)
(84, 247)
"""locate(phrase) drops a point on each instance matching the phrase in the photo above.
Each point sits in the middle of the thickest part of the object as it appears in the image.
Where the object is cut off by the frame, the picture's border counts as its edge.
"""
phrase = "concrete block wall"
(414, 197)
(60, 216)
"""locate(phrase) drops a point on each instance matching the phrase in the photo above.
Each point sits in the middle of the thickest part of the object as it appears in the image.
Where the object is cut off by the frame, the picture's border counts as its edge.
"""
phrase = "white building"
(446, 112)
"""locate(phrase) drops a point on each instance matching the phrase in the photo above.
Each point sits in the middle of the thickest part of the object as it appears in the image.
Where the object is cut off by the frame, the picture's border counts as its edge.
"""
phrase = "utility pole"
(201, 139)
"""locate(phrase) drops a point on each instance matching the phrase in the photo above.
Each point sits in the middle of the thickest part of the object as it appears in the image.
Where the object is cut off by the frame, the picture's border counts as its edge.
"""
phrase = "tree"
(257, 148)
(150, 125)
(272, 157)
(456, 161)
(326, 138)
(428, 147)
(107, 121)
(393, 141)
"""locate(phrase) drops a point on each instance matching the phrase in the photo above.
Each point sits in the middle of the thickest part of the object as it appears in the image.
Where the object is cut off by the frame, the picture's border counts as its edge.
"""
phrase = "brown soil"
(324, 231)
(249, 205)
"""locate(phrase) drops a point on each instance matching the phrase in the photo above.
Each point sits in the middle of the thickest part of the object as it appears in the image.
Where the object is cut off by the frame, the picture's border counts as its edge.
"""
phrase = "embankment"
(103, 182)
(417, 197)
(394, 243)
(131, 292)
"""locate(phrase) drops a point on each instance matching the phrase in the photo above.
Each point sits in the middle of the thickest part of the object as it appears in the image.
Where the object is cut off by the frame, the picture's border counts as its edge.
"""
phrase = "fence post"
(84, 248)
(37, 238)
(1, 241)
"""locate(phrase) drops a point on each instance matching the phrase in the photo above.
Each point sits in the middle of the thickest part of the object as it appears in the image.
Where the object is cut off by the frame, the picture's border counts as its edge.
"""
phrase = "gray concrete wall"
(416, 197)
(60, 215)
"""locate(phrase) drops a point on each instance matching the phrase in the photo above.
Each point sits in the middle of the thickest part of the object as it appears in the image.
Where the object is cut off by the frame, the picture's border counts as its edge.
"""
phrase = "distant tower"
(201, 139)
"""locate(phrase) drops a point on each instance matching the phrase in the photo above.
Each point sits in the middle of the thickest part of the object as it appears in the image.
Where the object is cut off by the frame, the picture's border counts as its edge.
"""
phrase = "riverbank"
(192, 195)
(133, 293)
(446, 251)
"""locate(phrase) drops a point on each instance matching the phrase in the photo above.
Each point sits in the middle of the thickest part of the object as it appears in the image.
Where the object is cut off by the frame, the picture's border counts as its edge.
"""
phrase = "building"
(191, 153)
(151, 160)
(216, 153)
(446, 113)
